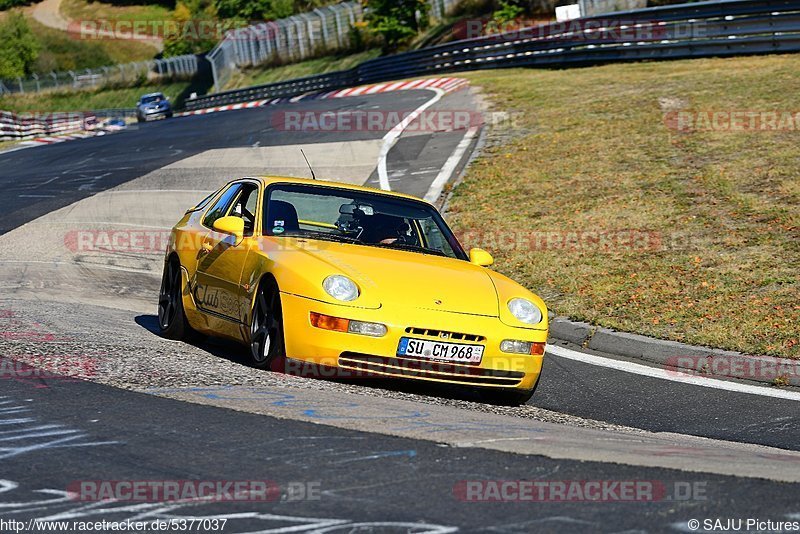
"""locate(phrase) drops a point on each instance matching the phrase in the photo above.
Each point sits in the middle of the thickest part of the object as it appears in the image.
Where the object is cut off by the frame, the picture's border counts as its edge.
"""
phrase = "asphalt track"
(384, 478)
(367, 482)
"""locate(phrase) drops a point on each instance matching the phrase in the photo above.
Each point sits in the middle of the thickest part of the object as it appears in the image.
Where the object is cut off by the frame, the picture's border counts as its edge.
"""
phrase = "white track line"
(672, 375)
(391, 137)
(450, 165)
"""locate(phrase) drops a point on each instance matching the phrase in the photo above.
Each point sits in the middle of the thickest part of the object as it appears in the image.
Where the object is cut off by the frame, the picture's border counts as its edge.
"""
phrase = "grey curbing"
(701, 360)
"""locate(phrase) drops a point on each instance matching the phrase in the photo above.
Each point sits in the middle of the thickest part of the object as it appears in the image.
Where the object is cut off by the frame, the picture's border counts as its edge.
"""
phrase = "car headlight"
(340, 287)
(525, 310)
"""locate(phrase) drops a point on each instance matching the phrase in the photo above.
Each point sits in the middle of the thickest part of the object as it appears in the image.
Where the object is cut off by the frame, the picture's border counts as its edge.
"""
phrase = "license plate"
(436, 350)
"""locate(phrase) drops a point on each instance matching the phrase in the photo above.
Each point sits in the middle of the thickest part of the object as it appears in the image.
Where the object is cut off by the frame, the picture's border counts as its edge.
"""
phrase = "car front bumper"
(156, 113)
(361, 355)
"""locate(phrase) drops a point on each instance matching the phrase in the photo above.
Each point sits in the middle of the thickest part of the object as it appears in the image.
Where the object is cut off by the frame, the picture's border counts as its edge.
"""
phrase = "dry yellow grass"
(716, 214)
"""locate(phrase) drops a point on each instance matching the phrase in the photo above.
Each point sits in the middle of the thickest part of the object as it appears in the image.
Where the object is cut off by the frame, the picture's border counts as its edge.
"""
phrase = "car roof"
(269, 180)
(152, 94)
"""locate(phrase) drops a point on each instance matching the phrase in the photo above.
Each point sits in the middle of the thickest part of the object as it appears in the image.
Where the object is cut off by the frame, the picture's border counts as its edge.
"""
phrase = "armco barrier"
(703, 29)
(14, 126)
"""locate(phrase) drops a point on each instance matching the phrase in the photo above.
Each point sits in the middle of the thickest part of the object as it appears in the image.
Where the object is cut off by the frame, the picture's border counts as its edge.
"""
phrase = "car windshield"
(152, 99)
(332, 214)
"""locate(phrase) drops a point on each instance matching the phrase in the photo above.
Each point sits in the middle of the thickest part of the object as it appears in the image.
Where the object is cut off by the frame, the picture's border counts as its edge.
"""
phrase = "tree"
(18, 47)
(396, 21)
(196, 28)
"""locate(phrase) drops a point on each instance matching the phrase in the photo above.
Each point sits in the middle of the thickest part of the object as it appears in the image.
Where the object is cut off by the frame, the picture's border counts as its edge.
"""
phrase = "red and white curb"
(445, 84)
(59, 139)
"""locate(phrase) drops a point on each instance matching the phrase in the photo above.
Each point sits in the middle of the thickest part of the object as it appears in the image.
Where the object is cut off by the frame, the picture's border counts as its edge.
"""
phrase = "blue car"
(153, 106)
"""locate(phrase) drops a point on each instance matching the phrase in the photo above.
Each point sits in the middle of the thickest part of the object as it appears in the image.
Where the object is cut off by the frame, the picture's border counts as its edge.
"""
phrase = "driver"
(384, 229)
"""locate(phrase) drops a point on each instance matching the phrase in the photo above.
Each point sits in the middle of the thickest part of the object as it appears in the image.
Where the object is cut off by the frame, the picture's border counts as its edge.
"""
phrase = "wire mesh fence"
(326, 29)
(128, 73)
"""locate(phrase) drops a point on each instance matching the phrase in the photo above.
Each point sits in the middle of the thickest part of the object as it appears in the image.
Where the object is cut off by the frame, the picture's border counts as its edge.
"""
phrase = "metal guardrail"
(18, 126)
(703, 29)
(590, 8)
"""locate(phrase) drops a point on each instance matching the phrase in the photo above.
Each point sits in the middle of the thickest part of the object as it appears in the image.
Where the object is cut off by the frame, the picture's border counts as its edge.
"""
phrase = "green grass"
(88, 99)
(592, 153)
(61, 52)
(263, 75)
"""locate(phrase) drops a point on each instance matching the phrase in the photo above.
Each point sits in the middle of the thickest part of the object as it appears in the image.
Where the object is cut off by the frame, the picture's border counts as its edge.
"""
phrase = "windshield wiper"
(326, 236)
(413, 248)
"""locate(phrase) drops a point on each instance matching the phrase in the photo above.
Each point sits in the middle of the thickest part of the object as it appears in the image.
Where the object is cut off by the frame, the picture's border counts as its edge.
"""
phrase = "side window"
(245, 207)
(220, 207)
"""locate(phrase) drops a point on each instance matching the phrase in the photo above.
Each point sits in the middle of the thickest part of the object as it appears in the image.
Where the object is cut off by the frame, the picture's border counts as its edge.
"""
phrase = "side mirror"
(230, 225)
(478, 256)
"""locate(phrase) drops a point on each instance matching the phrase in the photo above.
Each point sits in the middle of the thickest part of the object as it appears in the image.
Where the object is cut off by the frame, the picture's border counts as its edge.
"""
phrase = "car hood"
(408, 279)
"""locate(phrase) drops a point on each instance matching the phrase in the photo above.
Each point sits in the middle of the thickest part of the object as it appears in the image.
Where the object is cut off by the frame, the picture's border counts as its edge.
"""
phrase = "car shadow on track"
(237, 353)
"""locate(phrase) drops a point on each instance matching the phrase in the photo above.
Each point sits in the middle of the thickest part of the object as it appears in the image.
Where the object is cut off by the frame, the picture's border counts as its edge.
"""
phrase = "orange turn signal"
(328, 322)
(537, 349)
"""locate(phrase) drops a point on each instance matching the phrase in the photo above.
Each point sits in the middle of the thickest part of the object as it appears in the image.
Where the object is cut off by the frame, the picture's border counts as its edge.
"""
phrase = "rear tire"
(171, 316)
(267, 347)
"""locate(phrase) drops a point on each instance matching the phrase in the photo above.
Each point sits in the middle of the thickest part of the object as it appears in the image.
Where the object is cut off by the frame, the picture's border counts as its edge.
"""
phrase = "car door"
(221, 258)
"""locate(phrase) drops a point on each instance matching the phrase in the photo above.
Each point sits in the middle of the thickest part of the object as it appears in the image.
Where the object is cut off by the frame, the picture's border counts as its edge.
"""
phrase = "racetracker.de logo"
(733, 120)
(175, 490)
(578, 490)
(604, 30)
(595, 241)
(375, 120)
(146, 30)
(734, 366)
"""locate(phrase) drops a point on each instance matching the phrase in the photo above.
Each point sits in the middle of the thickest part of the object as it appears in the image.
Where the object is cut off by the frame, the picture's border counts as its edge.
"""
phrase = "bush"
(396, 21)
(8, 4)
(18, 47)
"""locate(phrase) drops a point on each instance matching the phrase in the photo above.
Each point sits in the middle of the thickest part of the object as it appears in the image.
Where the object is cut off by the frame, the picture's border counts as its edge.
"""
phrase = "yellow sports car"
(323, 275)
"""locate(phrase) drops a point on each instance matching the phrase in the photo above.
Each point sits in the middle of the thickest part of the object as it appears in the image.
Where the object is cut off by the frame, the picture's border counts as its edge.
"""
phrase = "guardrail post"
(339, 31)
(214, 74)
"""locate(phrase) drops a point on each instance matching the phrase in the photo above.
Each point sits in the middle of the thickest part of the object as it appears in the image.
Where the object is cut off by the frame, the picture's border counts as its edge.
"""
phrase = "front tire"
(171, 316)
(513, 397)
(267, 347)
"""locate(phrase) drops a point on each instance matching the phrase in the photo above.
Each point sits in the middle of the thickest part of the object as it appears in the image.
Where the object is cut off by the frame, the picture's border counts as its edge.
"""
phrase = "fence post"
(19, 82)
(36, 79)
(339, 30)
